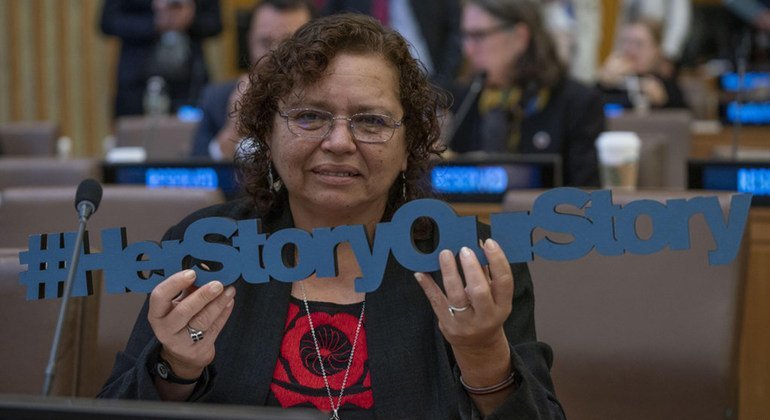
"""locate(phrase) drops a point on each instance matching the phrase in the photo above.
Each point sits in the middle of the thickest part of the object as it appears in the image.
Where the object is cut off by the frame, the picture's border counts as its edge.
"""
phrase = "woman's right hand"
(176, 304)
(614, 69)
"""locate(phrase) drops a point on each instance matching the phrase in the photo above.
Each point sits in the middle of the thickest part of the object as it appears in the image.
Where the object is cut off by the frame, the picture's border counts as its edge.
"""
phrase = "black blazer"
(568, 125)
(439, 21)
(214, 105)
(413, 373)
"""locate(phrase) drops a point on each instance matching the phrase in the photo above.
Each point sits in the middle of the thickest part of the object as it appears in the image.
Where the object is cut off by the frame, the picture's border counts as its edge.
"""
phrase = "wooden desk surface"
(754, 353)
(704, 144)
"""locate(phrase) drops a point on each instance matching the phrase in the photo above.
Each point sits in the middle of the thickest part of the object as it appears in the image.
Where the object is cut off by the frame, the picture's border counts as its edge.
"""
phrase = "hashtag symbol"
(47, 261)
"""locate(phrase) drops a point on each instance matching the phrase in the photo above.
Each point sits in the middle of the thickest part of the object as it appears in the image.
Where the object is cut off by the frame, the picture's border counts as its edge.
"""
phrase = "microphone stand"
(473, 92)
(742, 55)
(51, 367)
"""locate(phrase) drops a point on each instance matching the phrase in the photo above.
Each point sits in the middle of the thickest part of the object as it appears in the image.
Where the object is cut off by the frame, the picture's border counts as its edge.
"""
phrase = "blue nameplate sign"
(257, 257)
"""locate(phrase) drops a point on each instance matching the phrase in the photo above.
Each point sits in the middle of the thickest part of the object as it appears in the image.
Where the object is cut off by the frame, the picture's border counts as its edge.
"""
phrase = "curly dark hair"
(301, 61)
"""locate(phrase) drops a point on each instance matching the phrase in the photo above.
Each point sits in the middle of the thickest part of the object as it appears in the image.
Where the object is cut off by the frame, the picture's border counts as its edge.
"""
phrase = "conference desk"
(753, 365)
(705, 145)
(30, 407)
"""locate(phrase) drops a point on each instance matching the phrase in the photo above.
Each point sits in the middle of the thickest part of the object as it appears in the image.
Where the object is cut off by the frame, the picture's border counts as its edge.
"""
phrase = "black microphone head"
(89, 190)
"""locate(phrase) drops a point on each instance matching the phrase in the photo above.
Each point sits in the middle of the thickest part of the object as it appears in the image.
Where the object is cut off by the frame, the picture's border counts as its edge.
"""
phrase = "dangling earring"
(270, 181)
(403, 185)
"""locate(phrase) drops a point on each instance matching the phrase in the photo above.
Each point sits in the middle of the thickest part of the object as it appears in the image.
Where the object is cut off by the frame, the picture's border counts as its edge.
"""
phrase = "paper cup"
(618, 158)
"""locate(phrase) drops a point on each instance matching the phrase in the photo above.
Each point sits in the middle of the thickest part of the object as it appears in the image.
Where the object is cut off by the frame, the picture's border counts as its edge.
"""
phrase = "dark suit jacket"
(439, 21)
(568, 125)
(413, 373)
(133, 22)
(213, 103)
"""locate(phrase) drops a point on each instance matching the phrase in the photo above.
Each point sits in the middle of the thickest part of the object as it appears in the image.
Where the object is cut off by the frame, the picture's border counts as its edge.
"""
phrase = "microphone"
(473, 92)
(87, 199)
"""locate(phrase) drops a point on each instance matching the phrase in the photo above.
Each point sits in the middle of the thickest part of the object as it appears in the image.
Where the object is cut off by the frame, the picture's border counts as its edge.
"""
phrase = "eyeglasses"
(480, 35)
(316, 125)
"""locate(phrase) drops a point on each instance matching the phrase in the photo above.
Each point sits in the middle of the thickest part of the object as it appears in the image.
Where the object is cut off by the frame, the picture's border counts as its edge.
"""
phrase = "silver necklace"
(335, 412)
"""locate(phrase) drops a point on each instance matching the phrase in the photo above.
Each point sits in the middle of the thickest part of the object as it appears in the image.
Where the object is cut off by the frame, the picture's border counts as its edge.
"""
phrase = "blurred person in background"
(752, 44)
(756, 12)
(635, 76)
(675, 17)
(272, 21)
(432, 27)
(528, 103)
(160, 38)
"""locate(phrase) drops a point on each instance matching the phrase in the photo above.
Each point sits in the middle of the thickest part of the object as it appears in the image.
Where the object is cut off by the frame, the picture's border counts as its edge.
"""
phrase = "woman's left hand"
(471, 317)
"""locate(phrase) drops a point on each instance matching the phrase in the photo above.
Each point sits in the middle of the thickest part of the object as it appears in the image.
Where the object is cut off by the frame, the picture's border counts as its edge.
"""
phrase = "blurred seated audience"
(675, 17)
(432, 28)
(635, 75)
(528, 103)
(160, 38)
(755, 12)
(753, 43)
(272, 21)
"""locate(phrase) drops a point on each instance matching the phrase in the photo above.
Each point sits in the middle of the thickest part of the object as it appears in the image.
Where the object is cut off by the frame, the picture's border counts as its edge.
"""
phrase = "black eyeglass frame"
(479, 35)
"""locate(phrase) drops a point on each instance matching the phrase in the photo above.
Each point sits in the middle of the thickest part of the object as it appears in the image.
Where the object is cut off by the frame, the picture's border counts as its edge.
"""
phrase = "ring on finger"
(195, 335)
(453, 309)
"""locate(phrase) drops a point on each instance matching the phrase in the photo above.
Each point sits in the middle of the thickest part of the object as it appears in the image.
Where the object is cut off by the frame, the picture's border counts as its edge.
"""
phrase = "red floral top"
(297, 379)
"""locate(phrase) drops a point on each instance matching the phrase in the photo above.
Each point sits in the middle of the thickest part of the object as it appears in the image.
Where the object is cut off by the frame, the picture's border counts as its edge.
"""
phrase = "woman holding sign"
(344, 122)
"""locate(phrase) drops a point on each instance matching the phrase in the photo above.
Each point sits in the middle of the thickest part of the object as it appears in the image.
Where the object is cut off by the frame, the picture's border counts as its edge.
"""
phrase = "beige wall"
(56, 65)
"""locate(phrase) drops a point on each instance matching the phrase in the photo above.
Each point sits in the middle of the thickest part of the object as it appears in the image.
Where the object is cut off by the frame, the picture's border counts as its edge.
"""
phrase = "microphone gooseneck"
(87, 199)
(462, 112)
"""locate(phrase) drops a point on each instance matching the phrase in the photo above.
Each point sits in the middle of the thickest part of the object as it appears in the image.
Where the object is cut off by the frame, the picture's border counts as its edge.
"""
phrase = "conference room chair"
(163, 137)
(671, 127)
(45, 171)
(28, 331)
(640, 336)
(652, 158)
(29, 138)
(145, 213)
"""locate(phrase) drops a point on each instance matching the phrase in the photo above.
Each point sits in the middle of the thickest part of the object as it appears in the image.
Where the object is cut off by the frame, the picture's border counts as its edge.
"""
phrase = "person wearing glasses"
(528, 103)
(343, 123)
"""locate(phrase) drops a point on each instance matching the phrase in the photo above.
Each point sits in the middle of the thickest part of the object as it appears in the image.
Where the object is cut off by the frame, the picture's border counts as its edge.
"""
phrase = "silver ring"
(196, 335)
(453, 309)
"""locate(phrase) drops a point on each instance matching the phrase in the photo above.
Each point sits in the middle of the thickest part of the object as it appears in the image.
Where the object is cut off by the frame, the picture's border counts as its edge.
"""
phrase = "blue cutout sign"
(257, 257)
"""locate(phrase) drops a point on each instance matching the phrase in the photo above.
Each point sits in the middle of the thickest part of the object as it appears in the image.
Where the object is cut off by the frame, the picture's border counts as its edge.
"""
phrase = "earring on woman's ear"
(403, 185)
(271, 182)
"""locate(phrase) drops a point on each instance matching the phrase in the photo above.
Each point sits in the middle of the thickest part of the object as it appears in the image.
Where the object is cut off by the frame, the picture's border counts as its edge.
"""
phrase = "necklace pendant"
(334, 416)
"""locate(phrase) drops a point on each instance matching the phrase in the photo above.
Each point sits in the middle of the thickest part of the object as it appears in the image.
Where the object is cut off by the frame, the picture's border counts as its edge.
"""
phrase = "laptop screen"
(486, 179)
(754, 106)
(739, 176)
(478, 179)
(184, 174)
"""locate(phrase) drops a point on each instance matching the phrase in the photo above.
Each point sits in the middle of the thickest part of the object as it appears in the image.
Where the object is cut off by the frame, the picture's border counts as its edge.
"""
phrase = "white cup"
(618, 158)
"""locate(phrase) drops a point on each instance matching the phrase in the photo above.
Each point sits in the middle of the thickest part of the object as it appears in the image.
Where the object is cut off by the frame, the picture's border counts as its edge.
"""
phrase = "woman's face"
(639, 48)
(336, 175)
(490, 45)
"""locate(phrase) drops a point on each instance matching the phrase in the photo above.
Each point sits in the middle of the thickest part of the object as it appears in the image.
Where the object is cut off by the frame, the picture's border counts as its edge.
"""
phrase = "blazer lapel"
(411, 373)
